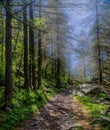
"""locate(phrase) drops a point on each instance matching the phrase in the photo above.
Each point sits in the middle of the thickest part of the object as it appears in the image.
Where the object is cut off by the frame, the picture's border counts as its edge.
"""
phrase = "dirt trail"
(62, 112)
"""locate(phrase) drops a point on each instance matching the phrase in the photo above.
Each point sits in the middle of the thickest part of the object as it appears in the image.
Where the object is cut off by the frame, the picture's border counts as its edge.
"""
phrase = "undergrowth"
(25, 105)
(94, 108)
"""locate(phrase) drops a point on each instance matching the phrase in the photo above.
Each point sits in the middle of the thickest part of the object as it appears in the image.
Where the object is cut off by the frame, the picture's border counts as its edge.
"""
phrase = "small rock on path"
(62, 112)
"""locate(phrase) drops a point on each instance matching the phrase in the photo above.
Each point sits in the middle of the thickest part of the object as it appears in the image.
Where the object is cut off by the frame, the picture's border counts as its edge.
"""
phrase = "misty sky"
(78, 19)
(83, 18)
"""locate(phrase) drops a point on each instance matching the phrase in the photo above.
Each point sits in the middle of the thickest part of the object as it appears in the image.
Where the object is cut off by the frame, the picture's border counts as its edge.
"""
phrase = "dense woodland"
(40, 53)
(31, 46)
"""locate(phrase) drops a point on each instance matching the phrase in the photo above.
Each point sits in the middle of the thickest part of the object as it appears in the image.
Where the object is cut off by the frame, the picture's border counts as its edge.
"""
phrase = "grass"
(94, 108)
(25, 105)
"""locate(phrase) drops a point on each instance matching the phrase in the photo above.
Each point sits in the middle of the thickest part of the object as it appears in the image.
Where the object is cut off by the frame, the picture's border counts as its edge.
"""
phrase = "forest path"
(62, 112)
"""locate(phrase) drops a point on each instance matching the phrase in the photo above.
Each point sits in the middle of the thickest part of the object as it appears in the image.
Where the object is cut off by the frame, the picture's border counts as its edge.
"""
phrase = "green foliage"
(94, 108)
(64, 80)
(21, 111)
(26, 103)
(102, 95)
(18, 114)
(40, 23)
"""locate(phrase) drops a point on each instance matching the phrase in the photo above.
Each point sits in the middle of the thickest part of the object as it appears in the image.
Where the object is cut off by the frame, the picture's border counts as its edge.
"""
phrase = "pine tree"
(8, 68)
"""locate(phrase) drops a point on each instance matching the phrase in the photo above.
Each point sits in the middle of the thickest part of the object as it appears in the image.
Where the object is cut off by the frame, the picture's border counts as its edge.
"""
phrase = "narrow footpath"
(62, 112)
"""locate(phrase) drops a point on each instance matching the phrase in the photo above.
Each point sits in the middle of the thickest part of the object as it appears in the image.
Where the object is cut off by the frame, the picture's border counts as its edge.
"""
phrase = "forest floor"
(62, 112)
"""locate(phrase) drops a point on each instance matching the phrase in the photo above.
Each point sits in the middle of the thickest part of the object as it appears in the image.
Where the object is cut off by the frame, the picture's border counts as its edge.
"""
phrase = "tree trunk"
(58, 62)
(98, 45)
(45, 58)
(2, 39)
(20, 63)
(16, 42)
(8, 68)
(32, 51)
(26, 79)
(58, 72)
(53, 57)
(39, 52)
(39, 59)
(84, 69)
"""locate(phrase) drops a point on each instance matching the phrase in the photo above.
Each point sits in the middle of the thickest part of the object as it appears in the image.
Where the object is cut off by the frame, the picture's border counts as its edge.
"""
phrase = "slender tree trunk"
(33, 51)
(52, 64)
(84, 69)
(53, 56)
(39, 52)
(58, 62)
(2, 37)
(69, 76)
(45, 57)
(98, 45)
(2, 50)
(20, 62)
(39, 59)
(58, 72)
(55, 66)
(26, 78)
(16, 41)
(30, 49)
(30, 66)
(8, 68)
